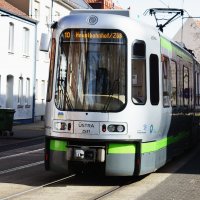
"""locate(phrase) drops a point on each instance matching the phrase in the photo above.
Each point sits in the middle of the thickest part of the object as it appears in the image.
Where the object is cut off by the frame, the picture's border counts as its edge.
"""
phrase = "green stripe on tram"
(163, 143)
(58, 145)
(166, 44)
(121, 148)
(171, 48)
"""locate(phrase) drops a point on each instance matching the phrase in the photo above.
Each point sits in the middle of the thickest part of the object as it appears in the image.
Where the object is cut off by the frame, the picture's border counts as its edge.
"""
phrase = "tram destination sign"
(85, 34)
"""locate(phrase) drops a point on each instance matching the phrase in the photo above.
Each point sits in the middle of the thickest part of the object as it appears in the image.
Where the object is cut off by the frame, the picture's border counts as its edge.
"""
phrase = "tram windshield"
(91, 70)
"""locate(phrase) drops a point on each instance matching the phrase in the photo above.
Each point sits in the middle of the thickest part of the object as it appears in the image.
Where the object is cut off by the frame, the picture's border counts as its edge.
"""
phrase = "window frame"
(26, 41)
(197, 76)
(166, 81)
(142, 57)
(186, 80)
(176, 83)
(20, 90)
(28, 87)
(51, 70)
(11, 37)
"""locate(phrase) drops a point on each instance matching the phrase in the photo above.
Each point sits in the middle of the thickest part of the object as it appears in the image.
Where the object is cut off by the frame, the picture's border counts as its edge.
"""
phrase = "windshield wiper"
(110, 94)
(62, 92)
(68, 101)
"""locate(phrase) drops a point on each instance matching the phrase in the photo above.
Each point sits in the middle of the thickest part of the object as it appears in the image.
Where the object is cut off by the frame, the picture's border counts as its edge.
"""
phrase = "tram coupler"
(86, 154)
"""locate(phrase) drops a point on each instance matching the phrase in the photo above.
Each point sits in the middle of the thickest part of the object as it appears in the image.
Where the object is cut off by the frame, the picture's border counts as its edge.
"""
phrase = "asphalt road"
(177, 180)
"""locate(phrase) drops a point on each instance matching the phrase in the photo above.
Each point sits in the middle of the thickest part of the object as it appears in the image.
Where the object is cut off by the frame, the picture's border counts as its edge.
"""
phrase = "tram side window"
(0, 91)
(139, 73)
(166, 82)
(174, 83)
(186, 90)
(154, 79)
(198, 86)
(197, 89)
(51, 70)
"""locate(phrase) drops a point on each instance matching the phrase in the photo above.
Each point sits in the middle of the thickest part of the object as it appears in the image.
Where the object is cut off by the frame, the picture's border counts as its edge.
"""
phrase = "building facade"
(17, 68)
(189, 34)
(103, 4)
(24, 76)
(45, 13)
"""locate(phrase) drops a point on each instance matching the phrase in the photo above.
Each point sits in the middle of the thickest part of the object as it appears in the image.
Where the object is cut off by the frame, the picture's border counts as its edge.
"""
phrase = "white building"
(18, 61)
(45, 12)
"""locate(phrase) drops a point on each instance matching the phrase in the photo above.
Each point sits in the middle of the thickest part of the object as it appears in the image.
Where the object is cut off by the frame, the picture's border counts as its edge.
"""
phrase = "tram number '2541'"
(86, 131)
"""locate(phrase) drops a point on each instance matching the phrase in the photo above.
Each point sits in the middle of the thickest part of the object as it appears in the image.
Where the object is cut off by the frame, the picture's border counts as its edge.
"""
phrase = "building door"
(9, 91)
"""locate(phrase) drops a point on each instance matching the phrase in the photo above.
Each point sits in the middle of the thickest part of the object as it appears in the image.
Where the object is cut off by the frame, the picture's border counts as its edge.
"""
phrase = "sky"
(138, 7)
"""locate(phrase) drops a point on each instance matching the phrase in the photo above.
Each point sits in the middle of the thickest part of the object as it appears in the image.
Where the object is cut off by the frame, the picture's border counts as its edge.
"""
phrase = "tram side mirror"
(44, 42)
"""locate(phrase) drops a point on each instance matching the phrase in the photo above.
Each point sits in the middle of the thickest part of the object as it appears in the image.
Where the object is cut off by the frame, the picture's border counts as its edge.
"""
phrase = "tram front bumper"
(118, 158)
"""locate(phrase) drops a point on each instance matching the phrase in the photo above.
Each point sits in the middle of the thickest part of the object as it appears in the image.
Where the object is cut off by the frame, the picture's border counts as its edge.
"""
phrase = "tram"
(121, 96)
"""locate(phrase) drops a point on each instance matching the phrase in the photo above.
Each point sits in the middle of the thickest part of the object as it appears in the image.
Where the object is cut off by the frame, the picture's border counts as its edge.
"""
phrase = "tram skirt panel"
(120, 160)
(151, 161)
(58, 161)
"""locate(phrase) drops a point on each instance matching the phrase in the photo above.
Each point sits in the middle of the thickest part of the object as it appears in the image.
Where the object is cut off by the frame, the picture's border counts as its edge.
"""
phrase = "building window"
(154, 79)
(36, 10)
(36, 89)
(9, 91)
(43, 89)
(26, 36)
(11, 38)
(57, 16)
(47, 15)
(27, 99)
(20, 90)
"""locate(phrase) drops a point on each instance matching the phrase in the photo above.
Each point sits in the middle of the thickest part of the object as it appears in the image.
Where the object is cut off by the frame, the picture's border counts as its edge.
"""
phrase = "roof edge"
(19, 16)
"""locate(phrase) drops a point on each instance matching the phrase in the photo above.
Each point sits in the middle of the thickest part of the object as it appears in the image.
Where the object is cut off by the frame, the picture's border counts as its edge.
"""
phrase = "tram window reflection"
(138, 82)
(139, 73)
(174, 83)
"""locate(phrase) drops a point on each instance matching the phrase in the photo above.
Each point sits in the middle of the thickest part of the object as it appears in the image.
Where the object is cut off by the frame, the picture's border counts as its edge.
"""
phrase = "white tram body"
(120, 95)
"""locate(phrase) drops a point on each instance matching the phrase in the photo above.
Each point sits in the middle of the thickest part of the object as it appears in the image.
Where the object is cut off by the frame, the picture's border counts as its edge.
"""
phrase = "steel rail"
(112, 190)
(21, 154)
(37, 188)
(21, 167)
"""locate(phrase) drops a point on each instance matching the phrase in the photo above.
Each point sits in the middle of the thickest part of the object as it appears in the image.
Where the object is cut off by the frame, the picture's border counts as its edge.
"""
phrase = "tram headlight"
(111, 128)
(120, 128)
(116, 128)
(60, 126)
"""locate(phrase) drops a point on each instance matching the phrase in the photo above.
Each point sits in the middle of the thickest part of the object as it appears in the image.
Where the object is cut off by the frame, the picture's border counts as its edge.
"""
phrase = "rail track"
(22, 176)
(99, 185)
